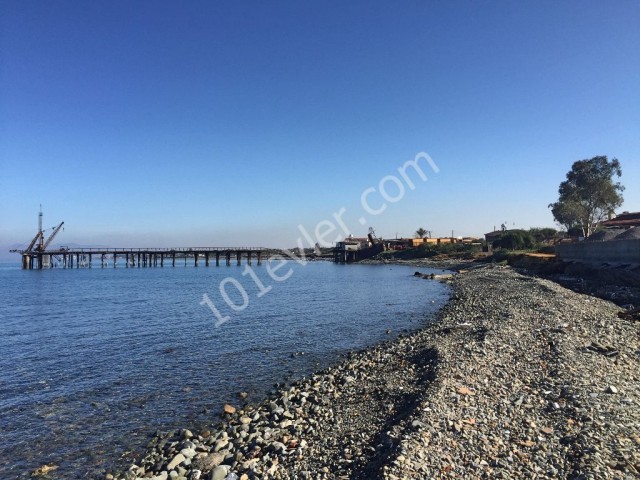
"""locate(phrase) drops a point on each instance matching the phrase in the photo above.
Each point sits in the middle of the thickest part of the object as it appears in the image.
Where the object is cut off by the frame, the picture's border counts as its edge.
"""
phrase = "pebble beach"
(518, 377)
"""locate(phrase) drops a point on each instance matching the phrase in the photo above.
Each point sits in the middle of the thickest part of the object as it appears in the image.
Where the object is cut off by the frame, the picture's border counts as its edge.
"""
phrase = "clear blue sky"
(231, 123)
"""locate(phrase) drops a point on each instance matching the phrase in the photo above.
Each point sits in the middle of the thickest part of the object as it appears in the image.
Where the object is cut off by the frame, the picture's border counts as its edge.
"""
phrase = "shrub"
(514, 240)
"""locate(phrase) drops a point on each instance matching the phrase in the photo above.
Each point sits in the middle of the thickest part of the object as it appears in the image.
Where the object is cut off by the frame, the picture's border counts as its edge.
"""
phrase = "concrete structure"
(349, 252)
(613, 251)
(348, 246)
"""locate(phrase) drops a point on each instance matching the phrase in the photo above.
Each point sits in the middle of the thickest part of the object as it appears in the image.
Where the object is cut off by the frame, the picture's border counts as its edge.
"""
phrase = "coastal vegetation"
(588, 195)
(459, 250)
(535, 239)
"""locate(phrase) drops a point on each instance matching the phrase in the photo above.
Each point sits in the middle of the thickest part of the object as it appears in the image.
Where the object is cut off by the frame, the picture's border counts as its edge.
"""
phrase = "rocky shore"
(518, 378)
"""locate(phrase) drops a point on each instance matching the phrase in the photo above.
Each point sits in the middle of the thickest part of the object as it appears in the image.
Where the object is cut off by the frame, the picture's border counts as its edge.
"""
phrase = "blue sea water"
(94, 361)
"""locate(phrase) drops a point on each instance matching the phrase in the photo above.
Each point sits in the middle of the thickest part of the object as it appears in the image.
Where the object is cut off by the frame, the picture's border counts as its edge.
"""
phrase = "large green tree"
(589, 194)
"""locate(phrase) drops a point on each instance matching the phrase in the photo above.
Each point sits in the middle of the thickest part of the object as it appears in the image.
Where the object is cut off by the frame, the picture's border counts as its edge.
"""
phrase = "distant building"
(469, 240)
(624, 220)
(354, 249)
(399, 243)
(416, 242)
(405, 243)
(493, 236)
(352, 243)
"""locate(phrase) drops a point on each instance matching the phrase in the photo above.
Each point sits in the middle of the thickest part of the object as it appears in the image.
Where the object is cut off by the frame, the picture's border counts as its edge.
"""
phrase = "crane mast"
(41, 244)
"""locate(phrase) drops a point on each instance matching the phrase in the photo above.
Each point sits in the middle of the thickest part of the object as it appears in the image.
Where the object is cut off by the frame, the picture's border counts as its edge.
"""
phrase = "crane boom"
(33, 242)
(51, 237)
(372, 236)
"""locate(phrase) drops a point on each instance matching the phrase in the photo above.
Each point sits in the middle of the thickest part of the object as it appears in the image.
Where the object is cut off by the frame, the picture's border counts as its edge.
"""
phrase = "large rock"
(177, 460)
(219, 473)
(209, 462)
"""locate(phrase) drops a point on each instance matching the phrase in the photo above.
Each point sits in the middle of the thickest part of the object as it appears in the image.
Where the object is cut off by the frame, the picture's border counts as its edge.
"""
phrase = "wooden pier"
(141, 257)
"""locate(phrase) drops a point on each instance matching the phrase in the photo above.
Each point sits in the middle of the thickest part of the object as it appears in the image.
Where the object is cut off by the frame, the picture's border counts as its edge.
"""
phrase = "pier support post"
(217, 259)
(248, 258)
(173, 260)
(206, 259)
(239, 258)
(259, 258)
(162, 260)
(228, 259)
(115, 256)
(90, 258)
(195, 259)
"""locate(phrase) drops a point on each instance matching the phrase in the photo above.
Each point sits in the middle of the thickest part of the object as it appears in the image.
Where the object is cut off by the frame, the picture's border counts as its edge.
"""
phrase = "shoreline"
(517, 376)
(448, 264)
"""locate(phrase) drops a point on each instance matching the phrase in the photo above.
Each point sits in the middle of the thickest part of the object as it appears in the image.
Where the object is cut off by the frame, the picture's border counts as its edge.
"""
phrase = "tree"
(514, 240)
(588, 195)
(541, 235)
(421, 232)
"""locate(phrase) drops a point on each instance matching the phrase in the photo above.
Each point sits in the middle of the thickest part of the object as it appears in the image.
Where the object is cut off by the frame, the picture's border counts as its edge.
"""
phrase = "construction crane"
(372, 236)
(33, 242)
(38, 238)
(51, 237)
(38, 245)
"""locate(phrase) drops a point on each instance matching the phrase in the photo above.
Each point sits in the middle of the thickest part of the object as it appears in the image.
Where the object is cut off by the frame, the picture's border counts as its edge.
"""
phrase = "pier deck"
(140, 257)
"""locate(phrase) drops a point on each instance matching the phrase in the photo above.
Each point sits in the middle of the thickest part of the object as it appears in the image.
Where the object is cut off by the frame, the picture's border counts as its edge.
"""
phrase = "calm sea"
(93, 361)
